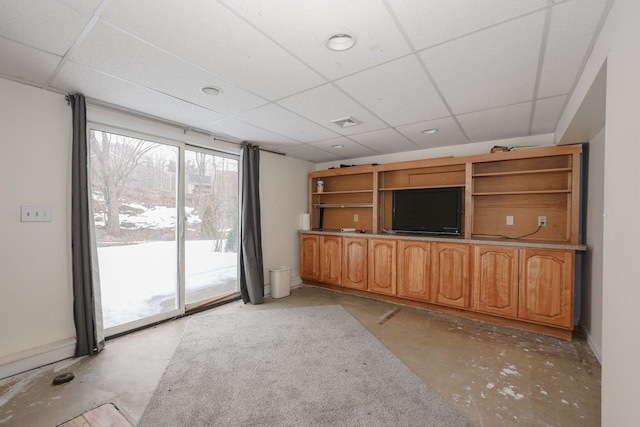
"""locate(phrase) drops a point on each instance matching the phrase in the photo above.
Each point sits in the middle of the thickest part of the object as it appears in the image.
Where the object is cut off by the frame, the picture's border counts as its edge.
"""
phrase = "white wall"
(617, 44)
(35, 283)
(283, 198)
(449, 151)
(592, 279)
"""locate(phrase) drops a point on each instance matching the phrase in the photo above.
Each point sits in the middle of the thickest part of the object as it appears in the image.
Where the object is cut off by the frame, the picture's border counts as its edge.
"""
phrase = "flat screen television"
(428, 211)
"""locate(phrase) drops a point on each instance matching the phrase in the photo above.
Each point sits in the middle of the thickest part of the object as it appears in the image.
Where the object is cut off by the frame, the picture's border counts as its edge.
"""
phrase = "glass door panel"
(135, 206)
(211, 236)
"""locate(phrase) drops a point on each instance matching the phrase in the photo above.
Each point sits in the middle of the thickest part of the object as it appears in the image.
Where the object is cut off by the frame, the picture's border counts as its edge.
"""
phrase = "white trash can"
(280, 279)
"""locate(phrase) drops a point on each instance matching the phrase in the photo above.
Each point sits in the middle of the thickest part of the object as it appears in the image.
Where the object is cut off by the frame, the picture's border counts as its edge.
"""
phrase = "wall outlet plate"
(542, 221)
(35, 213)
(509, 219)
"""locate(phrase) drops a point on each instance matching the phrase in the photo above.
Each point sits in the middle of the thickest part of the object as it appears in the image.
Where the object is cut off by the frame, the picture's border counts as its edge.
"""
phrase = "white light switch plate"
(35, 213)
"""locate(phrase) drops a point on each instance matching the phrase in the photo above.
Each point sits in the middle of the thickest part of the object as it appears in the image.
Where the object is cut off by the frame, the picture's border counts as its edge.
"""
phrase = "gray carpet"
(296, 367)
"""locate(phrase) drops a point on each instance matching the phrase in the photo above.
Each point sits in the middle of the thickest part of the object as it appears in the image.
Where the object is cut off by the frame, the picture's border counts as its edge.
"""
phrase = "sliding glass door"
(166, 220)
(211, 238)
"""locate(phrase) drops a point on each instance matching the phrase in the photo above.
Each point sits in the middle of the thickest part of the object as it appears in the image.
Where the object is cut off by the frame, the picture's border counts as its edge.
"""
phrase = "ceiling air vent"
(346, 122)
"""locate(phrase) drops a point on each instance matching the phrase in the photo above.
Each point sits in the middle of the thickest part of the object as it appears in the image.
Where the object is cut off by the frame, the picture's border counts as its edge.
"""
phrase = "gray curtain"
(87, 342)
(251, 271)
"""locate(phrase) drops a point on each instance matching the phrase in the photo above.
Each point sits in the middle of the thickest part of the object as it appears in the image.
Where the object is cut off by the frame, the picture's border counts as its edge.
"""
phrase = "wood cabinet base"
(514, 323)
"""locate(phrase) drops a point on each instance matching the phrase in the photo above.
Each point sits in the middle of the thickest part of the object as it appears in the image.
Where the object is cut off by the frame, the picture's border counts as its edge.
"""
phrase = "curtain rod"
(185, 128)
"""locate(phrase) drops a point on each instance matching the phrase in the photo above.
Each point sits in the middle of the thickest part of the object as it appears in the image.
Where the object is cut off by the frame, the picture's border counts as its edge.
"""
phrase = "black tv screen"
(429, 211)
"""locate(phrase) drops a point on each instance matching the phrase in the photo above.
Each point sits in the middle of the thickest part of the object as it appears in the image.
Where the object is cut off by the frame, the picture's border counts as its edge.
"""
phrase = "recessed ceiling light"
(337, 146)
(429, 131)
(340, 42)
(211, 90)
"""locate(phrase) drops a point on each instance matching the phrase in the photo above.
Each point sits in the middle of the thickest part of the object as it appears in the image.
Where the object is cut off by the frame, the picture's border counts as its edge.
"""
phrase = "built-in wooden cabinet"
(522, 185)
(451, 274)
(546, 286)
(310, 257)
(414, 270)
(382, 266)
(354, 262)
(331, 259)
(495, 280)
(504, 268)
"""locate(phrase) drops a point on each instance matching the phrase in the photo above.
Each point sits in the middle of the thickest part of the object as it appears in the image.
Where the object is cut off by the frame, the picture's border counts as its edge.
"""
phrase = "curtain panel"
(251, 267)
(84, 313)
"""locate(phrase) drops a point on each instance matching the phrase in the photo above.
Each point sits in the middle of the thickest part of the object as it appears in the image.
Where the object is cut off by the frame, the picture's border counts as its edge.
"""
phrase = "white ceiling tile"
(399, 92)
(305, 26)
(428, 22)
(278, 120)
(86, 7)
(45, 25)
(385, 141)
(124, 56)
(211, 36)
(449, 133)
(309, 153)
(349, 148)
(494, 67)
(26, 64)
(546, 114)
(247, 132)
(93, 84)
(572, 27)
(500, 123)
(326, 103)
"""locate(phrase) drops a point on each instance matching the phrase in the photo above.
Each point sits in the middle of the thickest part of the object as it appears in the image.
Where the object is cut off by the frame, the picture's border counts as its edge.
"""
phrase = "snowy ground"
(140, 280)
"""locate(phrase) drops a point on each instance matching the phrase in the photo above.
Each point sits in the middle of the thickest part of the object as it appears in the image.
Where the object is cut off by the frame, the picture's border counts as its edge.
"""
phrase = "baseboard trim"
(597, 351)
(30, 359)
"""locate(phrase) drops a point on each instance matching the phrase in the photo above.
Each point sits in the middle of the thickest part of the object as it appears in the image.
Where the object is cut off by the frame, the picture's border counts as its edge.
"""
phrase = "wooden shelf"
(342, 192)
(523, 172)
(420, 187)
(342, 206)
(508, 193)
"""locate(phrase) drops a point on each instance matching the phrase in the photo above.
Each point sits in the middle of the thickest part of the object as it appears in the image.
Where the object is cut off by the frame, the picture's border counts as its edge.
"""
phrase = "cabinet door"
(451, 274)
(310, 257)
(354, 264)
(414, 269)
(382, 266)
(546, 286)
(495, 280)
(331, 259)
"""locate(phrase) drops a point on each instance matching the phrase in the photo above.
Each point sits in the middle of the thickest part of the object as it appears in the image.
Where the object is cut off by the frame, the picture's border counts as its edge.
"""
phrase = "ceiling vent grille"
(346, 122)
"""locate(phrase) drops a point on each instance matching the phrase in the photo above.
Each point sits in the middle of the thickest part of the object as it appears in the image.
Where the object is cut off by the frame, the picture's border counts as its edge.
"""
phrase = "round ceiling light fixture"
(337, 146)
(339, 42)
(429, 131)
(211, 90)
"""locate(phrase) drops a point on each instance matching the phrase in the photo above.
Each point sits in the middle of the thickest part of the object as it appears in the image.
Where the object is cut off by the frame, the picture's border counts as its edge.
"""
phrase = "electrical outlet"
(35, 213)
(355, 218)
(542, 221)
(509, 219)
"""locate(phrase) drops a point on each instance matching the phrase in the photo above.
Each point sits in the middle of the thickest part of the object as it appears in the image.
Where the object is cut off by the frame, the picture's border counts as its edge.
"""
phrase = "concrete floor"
(492, 375)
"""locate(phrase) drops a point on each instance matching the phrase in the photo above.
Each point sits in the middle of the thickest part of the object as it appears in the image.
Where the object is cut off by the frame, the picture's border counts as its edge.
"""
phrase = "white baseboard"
(20, 362)
(597, 351)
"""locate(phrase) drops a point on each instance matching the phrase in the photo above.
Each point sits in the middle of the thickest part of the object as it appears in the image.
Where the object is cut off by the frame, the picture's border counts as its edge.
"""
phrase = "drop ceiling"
(474, 70)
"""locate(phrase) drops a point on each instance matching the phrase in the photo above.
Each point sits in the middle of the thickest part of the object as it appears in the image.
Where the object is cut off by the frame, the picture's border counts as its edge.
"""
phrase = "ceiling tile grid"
(211, 36)
(573, 25)
(476, 71)
(489, 68)
(326, 103)
(378, 38)
(399, 92)
(430, 22)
